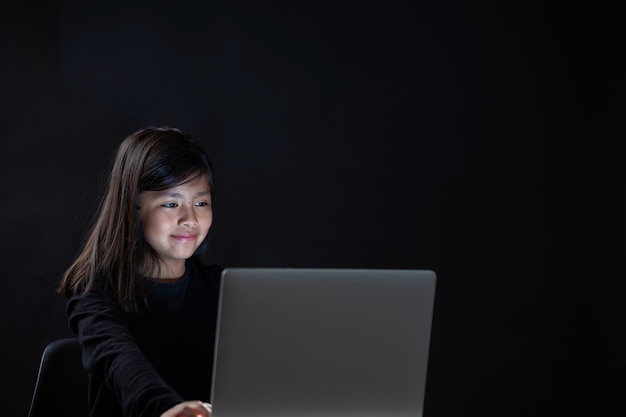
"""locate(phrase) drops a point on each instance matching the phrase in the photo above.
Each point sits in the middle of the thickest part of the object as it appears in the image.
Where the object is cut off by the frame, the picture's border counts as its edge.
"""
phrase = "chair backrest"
(61, 387)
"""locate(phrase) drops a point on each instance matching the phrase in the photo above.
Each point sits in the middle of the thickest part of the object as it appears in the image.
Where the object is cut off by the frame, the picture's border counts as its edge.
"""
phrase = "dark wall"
(480, 139)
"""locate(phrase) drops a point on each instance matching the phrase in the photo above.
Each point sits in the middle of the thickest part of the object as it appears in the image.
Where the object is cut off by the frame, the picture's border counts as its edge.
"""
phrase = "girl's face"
(175, 222)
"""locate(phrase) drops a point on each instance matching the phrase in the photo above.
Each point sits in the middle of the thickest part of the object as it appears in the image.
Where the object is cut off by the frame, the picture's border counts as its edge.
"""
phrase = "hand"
(189, 409)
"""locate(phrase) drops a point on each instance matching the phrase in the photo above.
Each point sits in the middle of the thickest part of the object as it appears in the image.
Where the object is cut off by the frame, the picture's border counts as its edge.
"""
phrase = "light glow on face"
(175, 222)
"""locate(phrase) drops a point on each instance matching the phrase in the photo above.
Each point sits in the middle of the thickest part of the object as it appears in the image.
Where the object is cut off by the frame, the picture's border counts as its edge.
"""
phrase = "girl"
(142, 304)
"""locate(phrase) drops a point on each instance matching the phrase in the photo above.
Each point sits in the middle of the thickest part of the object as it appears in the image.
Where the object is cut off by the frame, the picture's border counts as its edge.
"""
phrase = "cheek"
(151, 226)
(207, 220)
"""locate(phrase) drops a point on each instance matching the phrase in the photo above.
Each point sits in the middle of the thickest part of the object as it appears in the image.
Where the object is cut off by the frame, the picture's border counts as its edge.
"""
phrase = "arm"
(110, 352)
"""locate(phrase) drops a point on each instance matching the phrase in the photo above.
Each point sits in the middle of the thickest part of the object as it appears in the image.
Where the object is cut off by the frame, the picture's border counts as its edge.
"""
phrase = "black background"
(483, 140)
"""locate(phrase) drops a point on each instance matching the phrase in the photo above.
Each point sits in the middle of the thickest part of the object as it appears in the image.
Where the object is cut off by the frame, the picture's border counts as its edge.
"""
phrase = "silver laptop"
(322, 342)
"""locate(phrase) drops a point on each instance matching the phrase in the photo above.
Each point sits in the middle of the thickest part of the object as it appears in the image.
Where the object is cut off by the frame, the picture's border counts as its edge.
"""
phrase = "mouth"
(185, 238)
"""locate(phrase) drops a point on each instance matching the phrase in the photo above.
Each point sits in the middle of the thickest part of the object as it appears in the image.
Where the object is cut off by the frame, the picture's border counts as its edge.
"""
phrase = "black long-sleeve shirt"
(143, 363)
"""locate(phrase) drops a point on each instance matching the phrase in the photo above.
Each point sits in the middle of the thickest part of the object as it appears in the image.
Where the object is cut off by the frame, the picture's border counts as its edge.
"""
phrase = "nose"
(188, 217)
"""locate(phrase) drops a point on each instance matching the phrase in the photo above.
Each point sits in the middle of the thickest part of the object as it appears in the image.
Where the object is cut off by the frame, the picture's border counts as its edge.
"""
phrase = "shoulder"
(199, 266)
(206, 272)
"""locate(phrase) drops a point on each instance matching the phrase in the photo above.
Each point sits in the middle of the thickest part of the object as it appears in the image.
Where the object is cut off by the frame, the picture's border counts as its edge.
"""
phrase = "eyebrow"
(179, 195)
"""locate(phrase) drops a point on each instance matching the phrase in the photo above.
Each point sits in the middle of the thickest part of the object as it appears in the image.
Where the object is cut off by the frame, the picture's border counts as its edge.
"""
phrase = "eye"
(170, 205)
(203, 204)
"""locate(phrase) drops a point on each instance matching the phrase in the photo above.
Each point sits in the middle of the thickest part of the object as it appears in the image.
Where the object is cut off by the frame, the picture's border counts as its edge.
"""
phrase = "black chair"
(61, 387)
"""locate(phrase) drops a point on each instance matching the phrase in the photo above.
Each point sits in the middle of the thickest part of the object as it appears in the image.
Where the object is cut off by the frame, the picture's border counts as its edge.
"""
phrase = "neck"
(166, 272)
(168, 280)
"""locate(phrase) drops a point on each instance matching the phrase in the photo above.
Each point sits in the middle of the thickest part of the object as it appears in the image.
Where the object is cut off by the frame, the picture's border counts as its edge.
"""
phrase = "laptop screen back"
(322, 342)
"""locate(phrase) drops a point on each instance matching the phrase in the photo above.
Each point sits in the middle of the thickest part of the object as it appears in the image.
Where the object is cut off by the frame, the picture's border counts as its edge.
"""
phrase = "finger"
(202, 409)
(194, 411)
(208, 407)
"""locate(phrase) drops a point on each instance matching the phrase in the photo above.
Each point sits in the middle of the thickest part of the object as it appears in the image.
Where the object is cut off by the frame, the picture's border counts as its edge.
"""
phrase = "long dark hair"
(151, 159)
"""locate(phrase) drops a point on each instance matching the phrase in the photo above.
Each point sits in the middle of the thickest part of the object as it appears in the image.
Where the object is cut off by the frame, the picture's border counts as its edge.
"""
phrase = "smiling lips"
(185, 238)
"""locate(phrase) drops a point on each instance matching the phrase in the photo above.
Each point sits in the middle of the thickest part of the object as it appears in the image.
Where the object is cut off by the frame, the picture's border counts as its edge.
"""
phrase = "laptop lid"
(322, 342)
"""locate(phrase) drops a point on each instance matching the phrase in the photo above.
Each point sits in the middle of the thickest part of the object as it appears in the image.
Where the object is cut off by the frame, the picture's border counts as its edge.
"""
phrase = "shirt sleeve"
(110, 352)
